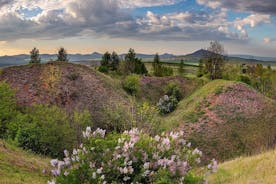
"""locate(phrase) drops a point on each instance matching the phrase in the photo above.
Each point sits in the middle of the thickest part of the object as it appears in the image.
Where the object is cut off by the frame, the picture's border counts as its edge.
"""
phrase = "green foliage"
(131, 157)
(261, 78)
(115, 61)
(7, 107)
(245, 79)
(167, 71)
(62, 55)
(134, 64)
(34, 56)
(116, 119)
(44, 130)
(200, 71)
(167, 104)
(160, 70)
(214, 60)
(181, 67)
(131, 84)
(106, 58)
(157, 66)
(173, 89)
(103, 69)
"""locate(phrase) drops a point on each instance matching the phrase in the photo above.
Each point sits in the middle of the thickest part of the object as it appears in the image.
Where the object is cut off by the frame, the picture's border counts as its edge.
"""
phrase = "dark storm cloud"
(257, 6)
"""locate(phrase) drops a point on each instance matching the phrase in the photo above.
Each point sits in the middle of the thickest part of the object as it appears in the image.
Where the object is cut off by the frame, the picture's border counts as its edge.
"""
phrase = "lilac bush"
(130, 157)
(167, 104)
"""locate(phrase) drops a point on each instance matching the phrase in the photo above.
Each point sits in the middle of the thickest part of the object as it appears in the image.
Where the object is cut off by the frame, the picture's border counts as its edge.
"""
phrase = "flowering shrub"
(167, 104)
(131, 157)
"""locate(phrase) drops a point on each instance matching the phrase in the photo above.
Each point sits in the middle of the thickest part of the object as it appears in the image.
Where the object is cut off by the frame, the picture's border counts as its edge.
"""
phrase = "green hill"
(69, 86)
(259, 169)
(226, 119)
(18, 166)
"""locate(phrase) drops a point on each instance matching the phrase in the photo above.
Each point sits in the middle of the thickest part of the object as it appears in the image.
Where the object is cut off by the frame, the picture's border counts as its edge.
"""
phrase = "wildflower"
(94, 175)
(54, 162)
(66, 173)
(146, 165)
(99, 171)
(51, 182)
(66, 153)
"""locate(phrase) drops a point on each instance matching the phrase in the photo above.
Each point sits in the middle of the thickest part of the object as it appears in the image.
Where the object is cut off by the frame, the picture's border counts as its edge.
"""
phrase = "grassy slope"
(69, 86)
(226, 119)
(259, 169)
(18, 166)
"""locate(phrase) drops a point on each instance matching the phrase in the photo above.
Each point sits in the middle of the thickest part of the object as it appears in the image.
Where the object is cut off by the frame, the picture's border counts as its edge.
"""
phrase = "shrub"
(45, 130)
(173, 89)
(131, 157)
(7, 107)
(103, 69)
(245, 79)
(131, 84)
(167, 104)
(167, 71)
(73, 76)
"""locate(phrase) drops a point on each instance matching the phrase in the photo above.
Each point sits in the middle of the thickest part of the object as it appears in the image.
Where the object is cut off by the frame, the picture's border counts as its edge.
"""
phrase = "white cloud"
(252, 21)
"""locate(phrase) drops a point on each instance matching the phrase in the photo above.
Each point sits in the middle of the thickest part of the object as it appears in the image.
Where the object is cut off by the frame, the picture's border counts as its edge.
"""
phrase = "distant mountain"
(94, 57)
(255, 57)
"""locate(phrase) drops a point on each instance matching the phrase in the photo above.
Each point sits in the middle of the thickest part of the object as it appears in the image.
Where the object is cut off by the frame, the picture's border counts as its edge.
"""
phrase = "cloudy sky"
(148, 26)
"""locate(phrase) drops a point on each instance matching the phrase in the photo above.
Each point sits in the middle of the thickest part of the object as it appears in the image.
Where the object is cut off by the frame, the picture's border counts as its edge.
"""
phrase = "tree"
(214, 60)
(181, 67)
(200, 71)
(157, 66)
(115, 60)
(62, 55)
(34, 56)
(106, 59)
(134, 64)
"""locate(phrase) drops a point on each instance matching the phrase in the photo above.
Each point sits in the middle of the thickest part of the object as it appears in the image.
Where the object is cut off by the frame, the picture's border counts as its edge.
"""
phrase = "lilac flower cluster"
(131, 157)
(167, 104)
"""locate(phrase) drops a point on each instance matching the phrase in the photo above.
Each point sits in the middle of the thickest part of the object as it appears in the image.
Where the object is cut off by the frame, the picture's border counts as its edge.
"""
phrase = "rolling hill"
(69, 86)
(259, 168)
(18, 166)
(226, 119)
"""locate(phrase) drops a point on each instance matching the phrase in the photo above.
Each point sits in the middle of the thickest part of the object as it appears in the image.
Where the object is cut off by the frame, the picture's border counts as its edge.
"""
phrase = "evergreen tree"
(134, 64)
(106, 59)
(181, 67)
(62, 55)
(34, 56)
(200, 71)
(115, 60)
(157, 66)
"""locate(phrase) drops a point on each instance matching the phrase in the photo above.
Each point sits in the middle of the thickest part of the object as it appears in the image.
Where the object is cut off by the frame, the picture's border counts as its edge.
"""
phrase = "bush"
(131, 157)
(245, 79)
(173, 89)
(131, 84)
(167, 71)
(103, 69)
(167, 104)
(45, 130)
(7, 107)
(73, 76)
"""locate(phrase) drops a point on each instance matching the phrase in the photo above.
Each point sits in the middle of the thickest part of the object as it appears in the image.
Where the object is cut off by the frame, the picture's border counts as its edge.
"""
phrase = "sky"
(148, 26)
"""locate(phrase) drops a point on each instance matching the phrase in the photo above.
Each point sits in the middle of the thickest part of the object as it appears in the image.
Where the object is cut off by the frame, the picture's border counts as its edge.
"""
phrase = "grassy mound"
(255, 169)
(18, 166)
(153, 88)
(226, 119)
(69, 86)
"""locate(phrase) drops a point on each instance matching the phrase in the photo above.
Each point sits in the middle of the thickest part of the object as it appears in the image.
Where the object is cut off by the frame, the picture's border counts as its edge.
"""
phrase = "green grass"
(259, 169)
(18, 166)
(188, 109)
